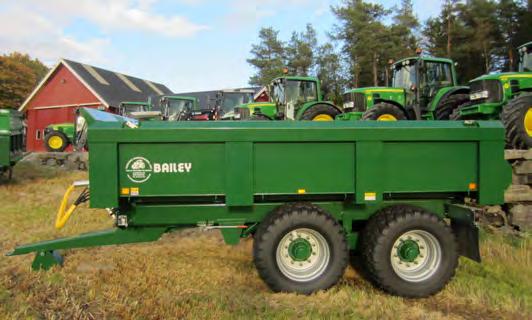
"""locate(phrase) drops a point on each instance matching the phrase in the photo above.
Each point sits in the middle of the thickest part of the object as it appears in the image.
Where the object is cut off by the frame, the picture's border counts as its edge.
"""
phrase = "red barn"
(70, 85)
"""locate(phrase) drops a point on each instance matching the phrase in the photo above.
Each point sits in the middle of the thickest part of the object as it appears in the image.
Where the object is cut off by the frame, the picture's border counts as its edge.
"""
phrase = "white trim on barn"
(45, 79)
(69, 105)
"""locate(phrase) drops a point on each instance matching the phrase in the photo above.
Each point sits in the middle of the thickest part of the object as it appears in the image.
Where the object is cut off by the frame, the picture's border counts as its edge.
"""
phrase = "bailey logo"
(138, 169)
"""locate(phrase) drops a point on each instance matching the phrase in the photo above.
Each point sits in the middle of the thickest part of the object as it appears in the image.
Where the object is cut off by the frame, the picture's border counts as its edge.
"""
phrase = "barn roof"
(109, 87)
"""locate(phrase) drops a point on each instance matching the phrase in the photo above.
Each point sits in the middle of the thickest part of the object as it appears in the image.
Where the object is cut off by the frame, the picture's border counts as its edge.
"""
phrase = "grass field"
(194, 275)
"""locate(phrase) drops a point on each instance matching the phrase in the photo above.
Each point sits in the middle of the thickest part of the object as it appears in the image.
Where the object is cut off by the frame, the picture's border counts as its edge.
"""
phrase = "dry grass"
(194, 275)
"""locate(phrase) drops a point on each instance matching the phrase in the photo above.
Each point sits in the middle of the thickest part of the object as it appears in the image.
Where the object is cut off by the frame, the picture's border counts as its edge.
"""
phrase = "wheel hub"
(302, 254)
(300, 249)
(528, 122)
(416, 255)
(408, 251)
(386, 117)
(323, 117)
(55, 142)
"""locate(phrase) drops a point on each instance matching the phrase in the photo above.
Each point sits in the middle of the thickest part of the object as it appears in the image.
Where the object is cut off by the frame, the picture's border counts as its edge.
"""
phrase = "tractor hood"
(503, 76)
(372, 90)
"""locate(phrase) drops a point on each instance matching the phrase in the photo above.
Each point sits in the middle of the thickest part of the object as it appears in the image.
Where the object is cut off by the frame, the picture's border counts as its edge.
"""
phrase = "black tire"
(260, 117)
(320, 109)
(383, 231)
(57, 134)
(449, 104)
(277, 225)
(513, 118)
(384, 108)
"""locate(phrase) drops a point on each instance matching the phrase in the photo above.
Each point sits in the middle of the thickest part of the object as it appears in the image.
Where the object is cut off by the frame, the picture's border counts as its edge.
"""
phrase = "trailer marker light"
(301, 191)
(124, 191)
(472, 186)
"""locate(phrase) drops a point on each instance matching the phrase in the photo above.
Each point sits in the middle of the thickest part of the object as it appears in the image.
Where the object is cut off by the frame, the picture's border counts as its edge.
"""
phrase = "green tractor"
(505, 96)
(423, 88)
(12, 142)
(58, 136)
(294, 98)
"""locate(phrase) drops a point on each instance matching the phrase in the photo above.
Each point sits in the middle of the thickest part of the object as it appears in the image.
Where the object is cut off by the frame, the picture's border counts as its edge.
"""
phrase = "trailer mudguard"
(465, 230)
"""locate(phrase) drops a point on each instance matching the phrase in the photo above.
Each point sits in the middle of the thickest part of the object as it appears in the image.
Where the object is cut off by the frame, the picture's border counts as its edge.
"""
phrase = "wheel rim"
(55, 142)
(528, 122)
(323, 117)
(386, 117)
(302, 255)
(416, 255)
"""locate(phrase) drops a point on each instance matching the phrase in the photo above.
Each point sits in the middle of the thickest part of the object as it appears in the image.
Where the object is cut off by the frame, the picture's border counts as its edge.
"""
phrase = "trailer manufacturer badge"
(138, 169)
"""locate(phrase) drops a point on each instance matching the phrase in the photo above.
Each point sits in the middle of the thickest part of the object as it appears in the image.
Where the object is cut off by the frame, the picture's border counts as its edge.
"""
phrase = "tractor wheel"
(516, 117)
(300, 248)
(449, 104)
(55, 141)
(320, 112)
(384, 112)
(408, 251)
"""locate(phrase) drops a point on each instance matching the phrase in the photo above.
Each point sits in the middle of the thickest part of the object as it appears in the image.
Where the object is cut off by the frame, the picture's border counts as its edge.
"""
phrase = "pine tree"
(268, 57)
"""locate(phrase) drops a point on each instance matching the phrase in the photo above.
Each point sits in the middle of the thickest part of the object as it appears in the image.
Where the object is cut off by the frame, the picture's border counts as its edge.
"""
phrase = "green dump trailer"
(11, 139)
(394, 194)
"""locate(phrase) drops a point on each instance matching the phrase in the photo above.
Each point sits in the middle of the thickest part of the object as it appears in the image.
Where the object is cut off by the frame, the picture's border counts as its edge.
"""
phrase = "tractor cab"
(126, 109)
(173, 108)
(293, 98)
(228, 100)
(525, 57)
(423, 88)
(421, 79)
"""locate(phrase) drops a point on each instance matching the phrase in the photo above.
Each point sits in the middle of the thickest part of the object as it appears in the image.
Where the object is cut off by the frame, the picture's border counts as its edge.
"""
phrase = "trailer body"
(12, 144)
(237, 176)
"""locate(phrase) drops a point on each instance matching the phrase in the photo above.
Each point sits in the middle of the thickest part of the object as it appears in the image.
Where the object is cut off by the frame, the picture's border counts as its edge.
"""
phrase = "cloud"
(26, 31)
(39, 27)
(246, 12)
(119, 15)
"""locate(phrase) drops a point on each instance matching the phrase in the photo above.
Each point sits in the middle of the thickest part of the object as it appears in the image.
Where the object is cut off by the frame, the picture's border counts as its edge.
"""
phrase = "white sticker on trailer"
(370, 196)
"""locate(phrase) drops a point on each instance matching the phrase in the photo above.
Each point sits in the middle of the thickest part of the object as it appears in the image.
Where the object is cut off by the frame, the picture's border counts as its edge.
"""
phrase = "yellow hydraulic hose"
(62, 214)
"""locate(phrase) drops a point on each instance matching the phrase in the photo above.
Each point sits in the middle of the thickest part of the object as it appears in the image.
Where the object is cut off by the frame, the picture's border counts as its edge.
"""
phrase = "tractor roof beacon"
(506, 96)
(158, 176)
(293, 98)
(423, 88)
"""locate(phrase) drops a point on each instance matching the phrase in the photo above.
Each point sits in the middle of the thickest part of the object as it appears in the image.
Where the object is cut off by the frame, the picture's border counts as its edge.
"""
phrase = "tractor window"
(404, 76)
(438, 75)
(231, 100)
(298, 92)
(127, 109)
(525, 60)
(176, 107)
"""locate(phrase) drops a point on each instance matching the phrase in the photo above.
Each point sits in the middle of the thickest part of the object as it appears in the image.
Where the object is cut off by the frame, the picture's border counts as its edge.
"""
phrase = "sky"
(188, 45)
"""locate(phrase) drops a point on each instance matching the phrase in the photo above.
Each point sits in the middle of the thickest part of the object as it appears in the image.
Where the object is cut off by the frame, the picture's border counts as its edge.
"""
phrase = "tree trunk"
(375, 80)
(449, 25)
